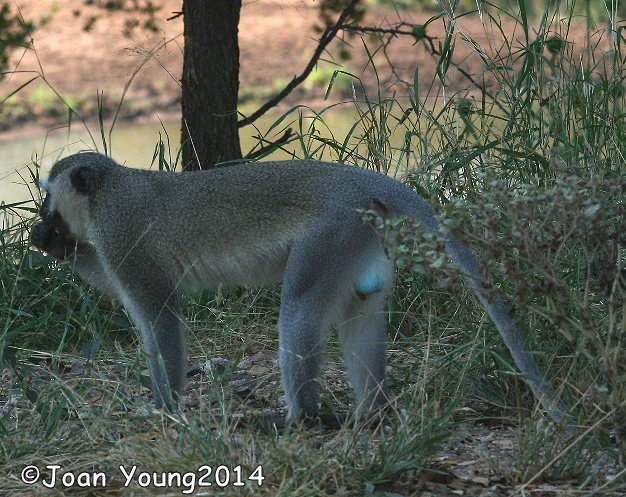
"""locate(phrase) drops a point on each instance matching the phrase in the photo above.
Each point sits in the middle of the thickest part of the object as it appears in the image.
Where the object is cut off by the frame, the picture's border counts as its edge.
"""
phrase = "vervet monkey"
(142, 235)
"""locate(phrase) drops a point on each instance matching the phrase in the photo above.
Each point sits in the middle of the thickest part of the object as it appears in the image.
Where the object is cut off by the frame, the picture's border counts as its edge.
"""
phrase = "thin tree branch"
(325, 39)
(423, 36)
(270, 146)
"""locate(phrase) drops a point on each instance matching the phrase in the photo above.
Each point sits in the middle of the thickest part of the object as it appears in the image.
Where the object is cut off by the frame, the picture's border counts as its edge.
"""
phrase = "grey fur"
(141, 235)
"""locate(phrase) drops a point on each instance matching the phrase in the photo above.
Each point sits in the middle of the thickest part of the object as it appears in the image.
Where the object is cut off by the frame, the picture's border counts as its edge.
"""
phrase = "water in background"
(132, 145)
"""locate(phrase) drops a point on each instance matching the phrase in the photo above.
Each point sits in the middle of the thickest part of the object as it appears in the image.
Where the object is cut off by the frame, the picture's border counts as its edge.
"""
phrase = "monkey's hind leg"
(363, 337)
(303, 330)
(363, 332)
(314, 277)
(331, 280)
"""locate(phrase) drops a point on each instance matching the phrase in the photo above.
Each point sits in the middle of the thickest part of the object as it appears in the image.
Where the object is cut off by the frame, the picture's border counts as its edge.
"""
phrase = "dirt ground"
(277, 39)
(276, 42)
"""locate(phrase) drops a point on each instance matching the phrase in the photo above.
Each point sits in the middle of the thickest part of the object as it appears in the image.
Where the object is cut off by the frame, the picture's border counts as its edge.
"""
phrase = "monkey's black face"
(53, 234)
(50, 217)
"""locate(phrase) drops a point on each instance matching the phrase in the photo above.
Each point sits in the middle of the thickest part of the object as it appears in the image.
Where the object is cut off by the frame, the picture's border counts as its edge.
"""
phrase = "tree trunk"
(210, 83)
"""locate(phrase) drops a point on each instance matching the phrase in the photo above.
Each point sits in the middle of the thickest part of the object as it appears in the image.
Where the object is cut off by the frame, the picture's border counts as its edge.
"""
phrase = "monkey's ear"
(85, 179)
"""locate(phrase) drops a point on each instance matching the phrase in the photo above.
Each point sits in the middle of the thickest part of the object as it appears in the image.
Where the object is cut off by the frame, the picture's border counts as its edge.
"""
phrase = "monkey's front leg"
(166, 351)
(152, 303)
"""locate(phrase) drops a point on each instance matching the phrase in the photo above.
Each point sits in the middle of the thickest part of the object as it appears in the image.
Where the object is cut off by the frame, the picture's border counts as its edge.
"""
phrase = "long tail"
(422, 211)
(511, 336)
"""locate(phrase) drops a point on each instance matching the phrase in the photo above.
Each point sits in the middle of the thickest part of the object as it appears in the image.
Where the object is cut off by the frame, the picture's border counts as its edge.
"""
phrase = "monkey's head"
(54, 237)
(69, 188)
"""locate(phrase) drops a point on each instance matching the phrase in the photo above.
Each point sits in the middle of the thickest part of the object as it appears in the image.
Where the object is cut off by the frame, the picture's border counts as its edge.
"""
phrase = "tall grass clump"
(539, 155)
